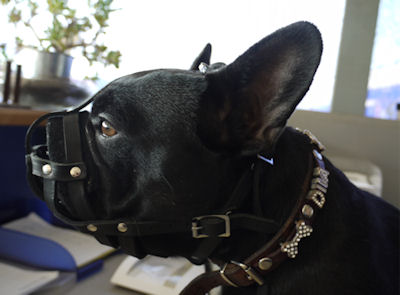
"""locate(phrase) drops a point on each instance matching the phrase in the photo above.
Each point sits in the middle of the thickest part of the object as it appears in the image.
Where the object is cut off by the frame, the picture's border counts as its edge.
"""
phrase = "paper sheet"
(155, 275)
(18, 281)
(83, 248)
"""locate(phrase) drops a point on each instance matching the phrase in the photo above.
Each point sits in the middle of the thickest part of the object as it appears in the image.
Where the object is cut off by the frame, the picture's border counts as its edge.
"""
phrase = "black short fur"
(184, 139)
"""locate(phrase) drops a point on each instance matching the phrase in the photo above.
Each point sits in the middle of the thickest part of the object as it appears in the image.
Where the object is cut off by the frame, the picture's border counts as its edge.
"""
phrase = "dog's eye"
(107, 130)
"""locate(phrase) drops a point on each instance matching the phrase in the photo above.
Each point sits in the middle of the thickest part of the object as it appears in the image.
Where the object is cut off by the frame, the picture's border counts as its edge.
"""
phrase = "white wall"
(358, 137)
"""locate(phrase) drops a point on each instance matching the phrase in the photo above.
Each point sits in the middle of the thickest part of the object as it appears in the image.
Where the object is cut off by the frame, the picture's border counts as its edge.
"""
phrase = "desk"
(10, 116)
(99, 283)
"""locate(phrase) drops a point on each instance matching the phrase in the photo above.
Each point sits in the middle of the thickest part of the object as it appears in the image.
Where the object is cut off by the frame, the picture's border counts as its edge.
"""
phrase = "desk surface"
(99, 283)
(10, 116)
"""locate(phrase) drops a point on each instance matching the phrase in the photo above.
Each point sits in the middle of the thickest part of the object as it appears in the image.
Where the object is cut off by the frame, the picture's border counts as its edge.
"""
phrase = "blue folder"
(41, 253)
(17, 200)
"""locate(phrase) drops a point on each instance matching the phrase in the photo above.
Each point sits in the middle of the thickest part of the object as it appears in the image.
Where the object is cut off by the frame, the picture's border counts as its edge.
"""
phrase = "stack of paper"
(155, 275)
(19, 281)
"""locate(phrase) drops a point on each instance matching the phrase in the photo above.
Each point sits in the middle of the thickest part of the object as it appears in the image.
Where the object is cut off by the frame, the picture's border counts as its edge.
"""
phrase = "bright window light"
(384, 77)
(170, 34)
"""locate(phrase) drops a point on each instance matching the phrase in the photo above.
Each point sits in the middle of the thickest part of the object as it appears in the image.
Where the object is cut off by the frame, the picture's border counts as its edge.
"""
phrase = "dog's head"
(168, 145)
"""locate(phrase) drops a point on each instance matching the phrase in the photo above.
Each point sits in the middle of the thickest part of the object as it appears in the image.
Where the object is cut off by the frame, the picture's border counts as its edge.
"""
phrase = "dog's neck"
(278, 189)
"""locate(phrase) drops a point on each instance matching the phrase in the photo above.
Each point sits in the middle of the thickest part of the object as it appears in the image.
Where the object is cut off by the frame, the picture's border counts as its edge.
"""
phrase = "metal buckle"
(251, 273)
(226, 279)
(196, 228)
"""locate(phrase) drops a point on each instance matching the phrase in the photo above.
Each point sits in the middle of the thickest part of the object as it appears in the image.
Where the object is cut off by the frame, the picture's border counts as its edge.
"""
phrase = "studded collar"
(284, 245)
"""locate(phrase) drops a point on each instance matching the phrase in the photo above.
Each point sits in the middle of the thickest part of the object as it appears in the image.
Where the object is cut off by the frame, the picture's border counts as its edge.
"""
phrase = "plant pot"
(52, 65)
(45, 65)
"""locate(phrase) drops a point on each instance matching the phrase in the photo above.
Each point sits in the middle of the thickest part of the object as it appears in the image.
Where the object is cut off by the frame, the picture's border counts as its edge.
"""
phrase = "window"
(170, 34)
(384, 78)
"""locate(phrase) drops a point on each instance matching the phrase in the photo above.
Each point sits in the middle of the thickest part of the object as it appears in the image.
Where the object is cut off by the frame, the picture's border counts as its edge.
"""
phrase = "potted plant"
(65, 32)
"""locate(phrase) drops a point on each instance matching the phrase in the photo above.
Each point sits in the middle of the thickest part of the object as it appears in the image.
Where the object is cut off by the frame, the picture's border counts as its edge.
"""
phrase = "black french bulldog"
(171, 145)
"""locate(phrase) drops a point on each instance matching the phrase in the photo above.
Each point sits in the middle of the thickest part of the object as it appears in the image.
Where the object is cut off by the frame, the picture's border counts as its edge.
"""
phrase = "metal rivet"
(46, 169)
(75, 171)
(122, 227)
(91, 227)
(265, 263)
(307, 211)
(203, 67)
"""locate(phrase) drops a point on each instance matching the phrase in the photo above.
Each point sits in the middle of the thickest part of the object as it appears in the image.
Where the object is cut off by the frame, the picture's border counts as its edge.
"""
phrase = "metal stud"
(91, 227)
(265, 263)
(307, 211)
(46, 169)
(122, 227)
(75, 171)
(203, 67)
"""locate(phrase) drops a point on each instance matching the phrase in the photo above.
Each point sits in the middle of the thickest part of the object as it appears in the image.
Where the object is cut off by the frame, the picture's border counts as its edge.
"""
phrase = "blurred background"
(361, 38)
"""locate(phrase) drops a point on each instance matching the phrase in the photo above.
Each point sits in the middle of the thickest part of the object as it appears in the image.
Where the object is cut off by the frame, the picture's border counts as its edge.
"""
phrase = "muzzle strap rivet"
(46, 169)
(91, 227)
(75, 171)
(122, 227)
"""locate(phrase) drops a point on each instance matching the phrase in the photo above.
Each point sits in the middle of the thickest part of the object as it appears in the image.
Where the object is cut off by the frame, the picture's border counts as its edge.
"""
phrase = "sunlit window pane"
(384, 78)
(170, 34)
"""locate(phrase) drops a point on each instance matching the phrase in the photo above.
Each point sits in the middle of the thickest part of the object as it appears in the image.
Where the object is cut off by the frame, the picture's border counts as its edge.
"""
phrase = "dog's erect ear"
(204, 56)
(248, 102)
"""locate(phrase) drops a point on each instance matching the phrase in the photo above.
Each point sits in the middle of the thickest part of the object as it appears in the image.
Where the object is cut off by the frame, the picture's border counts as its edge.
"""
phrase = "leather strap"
(72, 147)
(271, 255)
(59, 171)
(148, 228)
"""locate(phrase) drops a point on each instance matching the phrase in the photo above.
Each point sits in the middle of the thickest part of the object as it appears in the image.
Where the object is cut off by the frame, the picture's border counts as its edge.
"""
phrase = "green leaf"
(33, 8)
(19, 42)
(14, 16)
(113, 57)
(57, 6)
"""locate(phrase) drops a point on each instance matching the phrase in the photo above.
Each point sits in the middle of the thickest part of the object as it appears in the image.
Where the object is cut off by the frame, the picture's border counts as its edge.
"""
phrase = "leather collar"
(298, 226)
